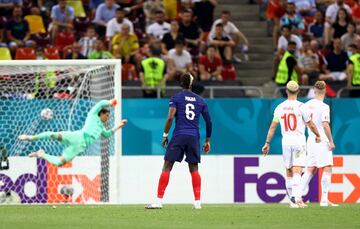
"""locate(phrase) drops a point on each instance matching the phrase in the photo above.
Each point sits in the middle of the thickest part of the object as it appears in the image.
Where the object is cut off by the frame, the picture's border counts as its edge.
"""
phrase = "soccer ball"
(47, 114)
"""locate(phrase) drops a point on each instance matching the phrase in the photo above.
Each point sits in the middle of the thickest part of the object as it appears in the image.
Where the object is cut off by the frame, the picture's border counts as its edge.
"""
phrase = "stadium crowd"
(315, 40)
(166, 37)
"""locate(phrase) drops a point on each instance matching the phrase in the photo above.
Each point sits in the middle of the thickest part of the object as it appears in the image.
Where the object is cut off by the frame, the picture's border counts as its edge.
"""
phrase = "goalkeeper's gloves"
(113, 102)
(122, 123)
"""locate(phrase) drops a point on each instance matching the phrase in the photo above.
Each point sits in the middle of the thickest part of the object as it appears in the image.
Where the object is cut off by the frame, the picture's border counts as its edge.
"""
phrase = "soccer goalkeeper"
(77, 141)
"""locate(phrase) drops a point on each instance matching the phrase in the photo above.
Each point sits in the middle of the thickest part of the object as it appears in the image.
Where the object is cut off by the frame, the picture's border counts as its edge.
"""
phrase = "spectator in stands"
(204, 13)
(104, 13)
(309, 63)
(232, 31)
(210, 65)
(285, 38)
(75, 52)
(291, 19)
(2, 37)
(353, 71)
(168, 40)
(330, 18)
(93, 5)
(179, 61)
(274, 11)
(40, 55)
(151, 7)
(17, 30)
(304, 8)
(350, 37)
(223, 43)
(341, 23)
(88, 41)
(62, 17)
(335, 63)
(288, 68)
(125, 45)
(7, 6)
(153, 73)
(115, 25)
(100, 52)
(191, 32)
(158, 28)
(316, 28)
(315, 48)
(355, 13)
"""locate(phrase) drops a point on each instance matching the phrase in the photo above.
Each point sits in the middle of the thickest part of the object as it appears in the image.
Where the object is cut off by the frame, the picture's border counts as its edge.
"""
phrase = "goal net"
(69, 88)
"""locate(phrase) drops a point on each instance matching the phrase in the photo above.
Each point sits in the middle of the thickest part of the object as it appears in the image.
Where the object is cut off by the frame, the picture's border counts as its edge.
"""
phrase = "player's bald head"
(186, 80)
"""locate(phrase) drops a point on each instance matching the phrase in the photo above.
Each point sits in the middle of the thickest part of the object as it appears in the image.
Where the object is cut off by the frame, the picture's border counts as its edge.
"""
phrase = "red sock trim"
(163, 182)
(196, 182)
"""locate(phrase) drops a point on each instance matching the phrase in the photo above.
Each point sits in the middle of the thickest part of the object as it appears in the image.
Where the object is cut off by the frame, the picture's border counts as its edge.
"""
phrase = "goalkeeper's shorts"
(75, 143)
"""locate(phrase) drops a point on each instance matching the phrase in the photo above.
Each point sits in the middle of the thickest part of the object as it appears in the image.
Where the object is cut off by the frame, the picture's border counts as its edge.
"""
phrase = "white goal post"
(69, 88)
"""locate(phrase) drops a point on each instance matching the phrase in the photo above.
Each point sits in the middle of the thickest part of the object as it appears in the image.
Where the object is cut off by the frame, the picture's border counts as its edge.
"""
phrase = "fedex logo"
(269, 181)
(43, 184)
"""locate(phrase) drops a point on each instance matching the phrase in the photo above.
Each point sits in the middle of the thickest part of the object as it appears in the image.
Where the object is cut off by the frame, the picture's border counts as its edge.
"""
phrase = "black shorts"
(181, 145)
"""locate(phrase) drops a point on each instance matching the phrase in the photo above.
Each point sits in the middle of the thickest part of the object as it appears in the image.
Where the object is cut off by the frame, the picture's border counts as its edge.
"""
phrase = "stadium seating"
(36, 24)
(25, 54)
(78, 7)
(64, 39)
(52, 53)
(5, 54)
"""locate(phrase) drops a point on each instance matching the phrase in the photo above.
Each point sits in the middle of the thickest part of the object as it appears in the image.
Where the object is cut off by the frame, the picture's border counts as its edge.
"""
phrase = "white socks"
(305, 180)
(296, 186)
(288, 184)
(325, 186)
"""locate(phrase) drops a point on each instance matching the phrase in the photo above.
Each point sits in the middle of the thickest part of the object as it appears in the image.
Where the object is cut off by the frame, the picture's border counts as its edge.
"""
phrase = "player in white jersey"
(319, 155)
(293, 119)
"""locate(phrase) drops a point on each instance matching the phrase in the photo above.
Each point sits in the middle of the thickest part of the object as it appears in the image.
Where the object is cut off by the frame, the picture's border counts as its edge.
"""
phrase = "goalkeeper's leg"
(68, 154)
(42, 136)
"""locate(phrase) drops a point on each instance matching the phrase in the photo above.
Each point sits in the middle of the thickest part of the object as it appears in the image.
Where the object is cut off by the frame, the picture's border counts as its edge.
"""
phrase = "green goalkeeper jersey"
(94, 127)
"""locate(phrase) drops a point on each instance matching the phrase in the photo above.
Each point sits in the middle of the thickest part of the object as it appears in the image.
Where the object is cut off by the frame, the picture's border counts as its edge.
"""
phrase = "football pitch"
(179, 216)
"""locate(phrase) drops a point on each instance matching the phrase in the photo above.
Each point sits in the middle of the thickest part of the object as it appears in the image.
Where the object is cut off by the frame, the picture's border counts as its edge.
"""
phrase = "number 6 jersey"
(293, 117)
(189, 106)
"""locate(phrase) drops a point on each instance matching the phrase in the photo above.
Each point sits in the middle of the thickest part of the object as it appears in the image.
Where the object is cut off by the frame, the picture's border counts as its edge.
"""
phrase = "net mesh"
(70, 92)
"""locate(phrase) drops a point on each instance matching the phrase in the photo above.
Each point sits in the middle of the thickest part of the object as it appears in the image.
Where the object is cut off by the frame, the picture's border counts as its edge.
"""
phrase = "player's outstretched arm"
(328, 134)
(270, 135)
(314, 129)
(109, 133)
(168, 123)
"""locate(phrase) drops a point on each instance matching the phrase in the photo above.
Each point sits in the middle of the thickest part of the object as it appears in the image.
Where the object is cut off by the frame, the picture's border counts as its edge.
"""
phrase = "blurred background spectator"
(292, 20)
(115, 25)
(100, 52)
(62, 17)
(75, 52)
(159, 27)
(335, 65)
(168, 40)
(179, 61)
(104, 13)
(223, 43)
(210, 65)
(88, 41)
(17, 30)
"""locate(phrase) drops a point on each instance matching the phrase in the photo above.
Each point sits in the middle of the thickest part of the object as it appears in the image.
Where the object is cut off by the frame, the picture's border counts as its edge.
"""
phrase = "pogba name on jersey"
(190, 99)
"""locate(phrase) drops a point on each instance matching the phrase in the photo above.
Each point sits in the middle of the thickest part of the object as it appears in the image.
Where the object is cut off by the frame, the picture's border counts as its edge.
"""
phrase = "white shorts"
(318, 155)
(294, 155)
(338, 76)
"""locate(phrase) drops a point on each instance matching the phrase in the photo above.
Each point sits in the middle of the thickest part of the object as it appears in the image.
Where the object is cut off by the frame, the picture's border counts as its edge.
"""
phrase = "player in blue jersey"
(186, 107)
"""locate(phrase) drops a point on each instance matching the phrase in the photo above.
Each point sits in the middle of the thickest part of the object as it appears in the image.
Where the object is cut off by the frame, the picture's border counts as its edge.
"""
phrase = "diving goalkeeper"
(77, 141)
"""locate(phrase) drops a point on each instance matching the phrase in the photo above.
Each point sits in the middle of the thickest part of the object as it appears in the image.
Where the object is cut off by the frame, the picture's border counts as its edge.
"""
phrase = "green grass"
(179, 216)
